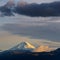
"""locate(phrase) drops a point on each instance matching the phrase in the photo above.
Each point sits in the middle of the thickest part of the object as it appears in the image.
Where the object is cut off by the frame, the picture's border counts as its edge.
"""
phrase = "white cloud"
(40, 1)
(2, 2)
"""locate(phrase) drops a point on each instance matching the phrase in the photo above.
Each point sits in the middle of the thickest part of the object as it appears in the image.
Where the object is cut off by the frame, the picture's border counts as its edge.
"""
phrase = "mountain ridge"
(17, 55)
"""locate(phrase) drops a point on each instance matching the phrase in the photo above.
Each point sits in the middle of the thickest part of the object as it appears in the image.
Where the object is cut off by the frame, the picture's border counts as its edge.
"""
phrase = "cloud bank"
(33, 9)
(43, 49)
(50, 9)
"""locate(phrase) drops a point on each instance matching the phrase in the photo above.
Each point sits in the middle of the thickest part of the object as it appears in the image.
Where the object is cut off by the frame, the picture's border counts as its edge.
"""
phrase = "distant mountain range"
(33, 9)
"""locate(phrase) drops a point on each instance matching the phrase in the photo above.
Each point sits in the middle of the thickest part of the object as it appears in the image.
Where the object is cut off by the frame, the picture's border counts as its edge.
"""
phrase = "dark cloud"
(44, 9)
(5, 11)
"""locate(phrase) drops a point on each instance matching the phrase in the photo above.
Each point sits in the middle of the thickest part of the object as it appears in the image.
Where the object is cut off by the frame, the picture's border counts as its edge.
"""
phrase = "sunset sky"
(37, 30)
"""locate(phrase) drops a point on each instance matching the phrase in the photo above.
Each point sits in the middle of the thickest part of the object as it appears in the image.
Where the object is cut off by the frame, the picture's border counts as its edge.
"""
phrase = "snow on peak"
(23, 46)
(28, 45)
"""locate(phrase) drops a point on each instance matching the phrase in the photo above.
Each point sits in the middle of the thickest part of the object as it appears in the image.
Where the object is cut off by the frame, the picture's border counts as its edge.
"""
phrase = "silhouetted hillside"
(17, 55)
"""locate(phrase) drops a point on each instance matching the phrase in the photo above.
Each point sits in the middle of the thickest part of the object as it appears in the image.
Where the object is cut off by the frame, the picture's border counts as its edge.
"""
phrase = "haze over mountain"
(43, 49)
(28, 47)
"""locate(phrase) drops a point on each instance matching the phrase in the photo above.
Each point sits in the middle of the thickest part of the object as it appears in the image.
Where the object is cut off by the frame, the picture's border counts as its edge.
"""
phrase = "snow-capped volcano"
(24, 46)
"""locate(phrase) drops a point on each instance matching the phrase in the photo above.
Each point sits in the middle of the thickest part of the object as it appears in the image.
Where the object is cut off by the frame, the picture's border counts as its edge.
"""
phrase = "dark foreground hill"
(17, 55)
